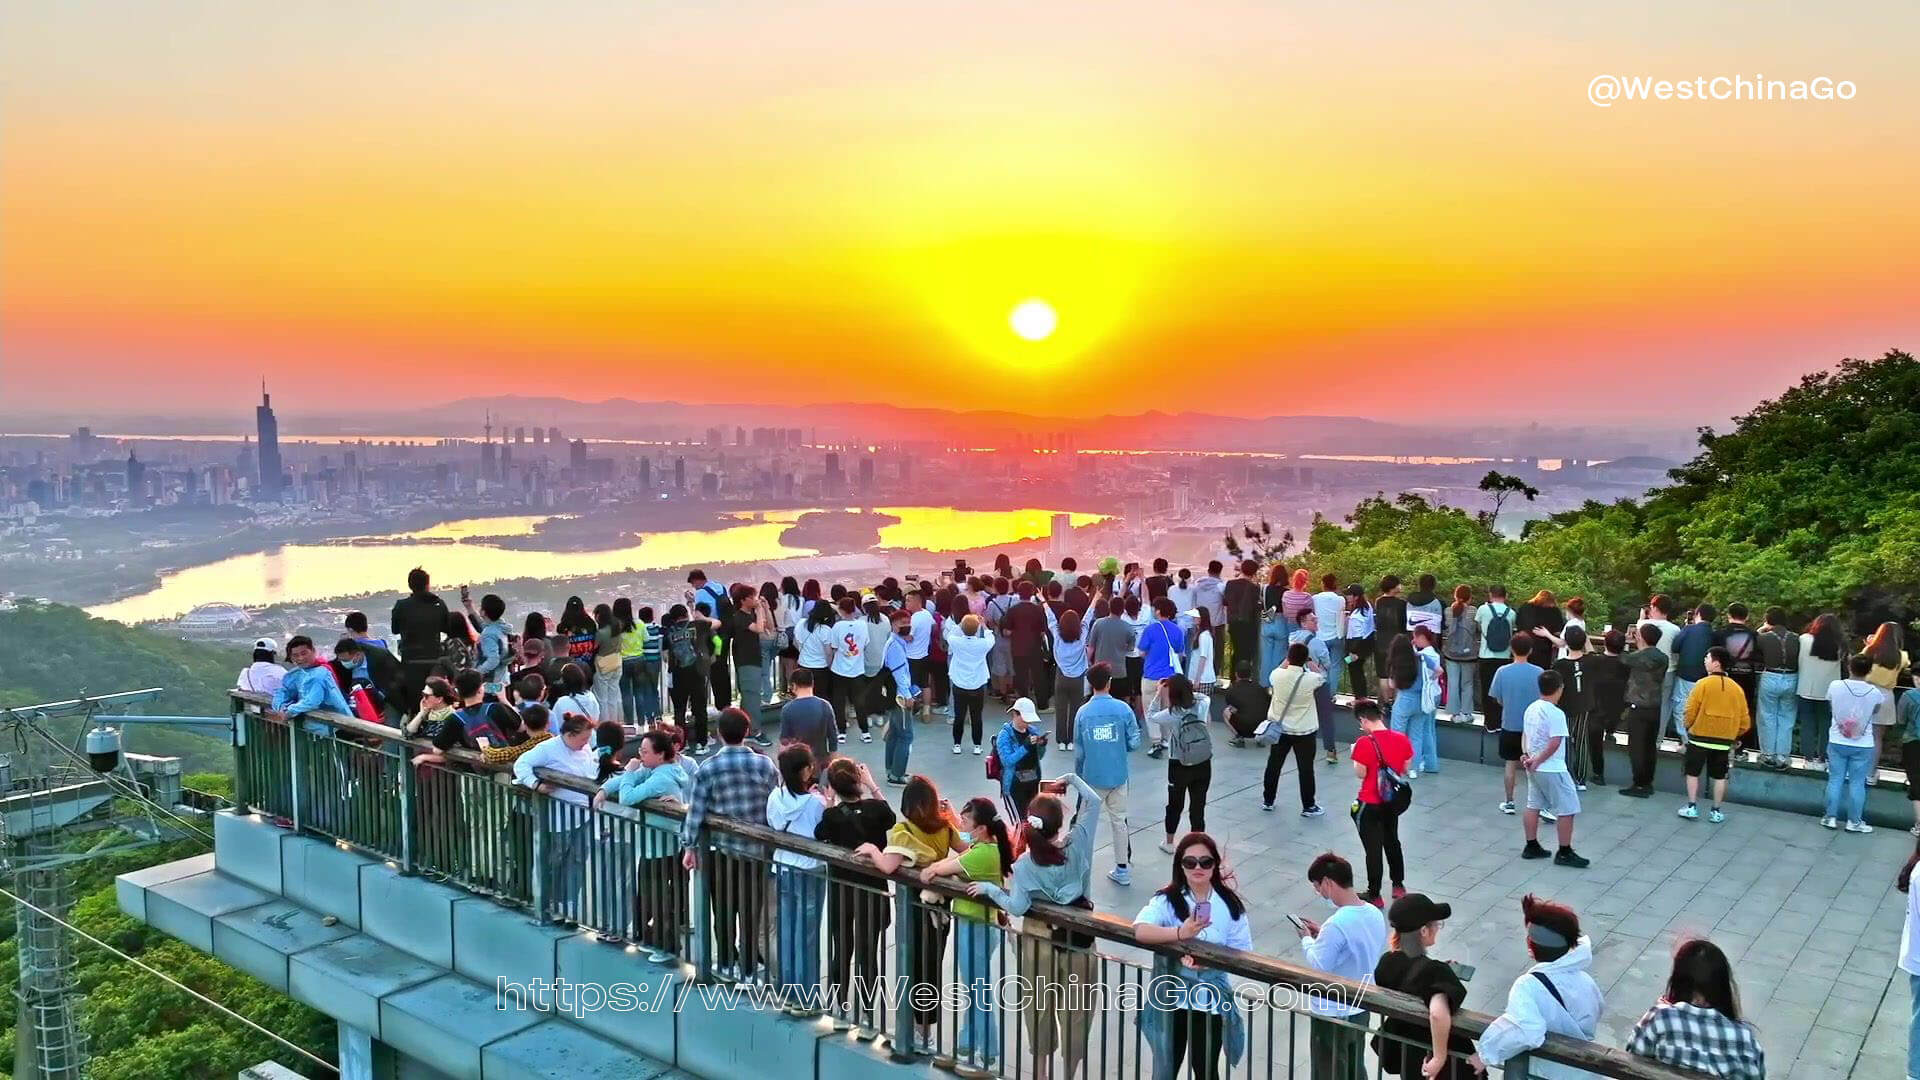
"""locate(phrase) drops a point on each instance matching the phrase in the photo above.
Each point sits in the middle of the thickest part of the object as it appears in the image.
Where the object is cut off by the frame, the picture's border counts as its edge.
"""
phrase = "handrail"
(1247, 964)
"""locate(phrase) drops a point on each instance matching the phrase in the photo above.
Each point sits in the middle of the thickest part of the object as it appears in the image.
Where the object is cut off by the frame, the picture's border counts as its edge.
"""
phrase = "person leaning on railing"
(925, 834)
(660, 901)
(733, 783)
(858, 910)
(1199, 1018)
(976, 931)
(1057, 867)
(566, 853)
(1407, 1048)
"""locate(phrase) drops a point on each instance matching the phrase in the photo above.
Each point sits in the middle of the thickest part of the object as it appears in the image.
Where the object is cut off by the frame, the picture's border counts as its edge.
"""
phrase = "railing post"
(1518, 1068)
(242, 788)
(904, 947)
(409, 800)
(538, 871)
(700, 903)
(293, 769)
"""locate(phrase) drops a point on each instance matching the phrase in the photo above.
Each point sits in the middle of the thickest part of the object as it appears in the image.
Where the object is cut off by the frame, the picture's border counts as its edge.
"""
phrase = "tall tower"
(489, 470)
(269, 432)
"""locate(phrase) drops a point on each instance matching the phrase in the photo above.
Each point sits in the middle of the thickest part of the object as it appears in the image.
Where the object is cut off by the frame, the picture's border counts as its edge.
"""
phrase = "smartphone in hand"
(1300, 924)
(1204, 911)
(1463, 971)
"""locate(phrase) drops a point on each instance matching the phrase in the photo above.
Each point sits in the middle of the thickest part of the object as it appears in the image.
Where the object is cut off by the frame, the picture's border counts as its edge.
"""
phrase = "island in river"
(837, 530)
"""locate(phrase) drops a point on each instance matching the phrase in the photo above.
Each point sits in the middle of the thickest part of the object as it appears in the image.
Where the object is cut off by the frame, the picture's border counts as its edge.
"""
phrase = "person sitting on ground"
(1557, 994)
(1696, 1024)
(1247, 703)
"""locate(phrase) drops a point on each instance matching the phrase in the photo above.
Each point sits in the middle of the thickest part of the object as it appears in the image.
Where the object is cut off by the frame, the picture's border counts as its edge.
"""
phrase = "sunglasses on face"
(1197, 862)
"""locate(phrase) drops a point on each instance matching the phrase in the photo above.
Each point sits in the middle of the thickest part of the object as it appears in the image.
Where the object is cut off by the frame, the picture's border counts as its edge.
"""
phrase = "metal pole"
(539, 868)
(242, 788)
(905, 945)
(409, 800)
(293, 765)
(700, 899)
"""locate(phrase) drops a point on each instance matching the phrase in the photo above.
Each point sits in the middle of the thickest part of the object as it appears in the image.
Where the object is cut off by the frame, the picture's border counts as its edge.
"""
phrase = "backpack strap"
(1551, 989)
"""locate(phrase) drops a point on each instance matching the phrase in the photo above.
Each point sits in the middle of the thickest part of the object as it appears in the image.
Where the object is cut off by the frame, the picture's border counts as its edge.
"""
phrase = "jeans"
(769, 668)
(801, 893)
(1667, 711)
(1678, 690)
(1418, 727)
(1463, 677)
(1323, 707)
(1379, 826)
(1779, 692)
(606, 691)
(1815, 716)
(1274, 632)
(1184, 781)
(899, 742)
(1913, 1029)
(967, 708)
(1847, 778)
(1338, 1051)
(639, 690)
(1337, 655)
(973, 948)
(752, 693)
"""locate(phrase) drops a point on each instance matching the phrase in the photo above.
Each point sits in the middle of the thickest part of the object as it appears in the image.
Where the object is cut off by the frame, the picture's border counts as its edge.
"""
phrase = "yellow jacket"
(1717, 710)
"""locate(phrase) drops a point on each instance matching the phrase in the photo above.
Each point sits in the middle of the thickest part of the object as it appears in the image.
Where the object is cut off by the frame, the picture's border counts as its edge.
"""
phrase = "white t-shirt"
(849, 642)
(1910, 933)
(1200, 670)
(919, 634)
(583, 703)
(1138, 623)
(1544, 720)
(1350, 944)
(1854, 701)
(812, 644)
(1331, 609)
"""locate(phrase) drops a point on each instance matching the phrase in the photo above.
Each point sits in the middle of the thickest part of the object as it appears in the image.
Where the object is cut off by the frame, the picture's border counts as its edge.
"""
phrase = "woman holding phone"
(1198, 904)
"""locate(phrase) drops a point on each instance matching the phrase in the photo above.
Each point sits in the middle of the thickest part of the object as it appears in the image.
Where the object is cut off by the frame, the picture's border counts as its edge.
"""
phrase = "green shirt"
(981, 862)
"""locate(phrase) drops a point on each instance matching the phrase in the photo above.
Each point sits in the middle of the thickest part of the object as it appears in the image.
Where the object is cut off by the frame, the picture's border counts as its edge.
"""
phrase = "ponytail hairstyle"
(985, 814)
(1301, 579)
(1040, 833)
(1462, 595)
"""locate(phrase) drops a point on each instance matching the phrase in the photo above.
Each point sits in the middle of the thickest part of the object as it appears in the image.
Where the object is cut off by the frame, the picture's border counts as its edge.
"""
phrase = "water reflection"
(317, 571)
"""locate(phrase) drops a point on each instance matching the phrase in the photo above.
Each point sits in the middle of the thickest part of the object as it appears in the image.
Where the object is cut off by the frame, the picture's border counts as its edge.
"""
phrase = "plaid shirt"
(1688, 1036)
(733, 783)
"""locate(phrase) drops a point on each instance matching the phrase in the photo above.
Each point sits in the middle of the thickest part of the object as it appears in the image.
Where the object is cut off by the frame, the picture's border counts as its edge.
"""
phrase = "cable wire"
(127, 788)
(176, 983)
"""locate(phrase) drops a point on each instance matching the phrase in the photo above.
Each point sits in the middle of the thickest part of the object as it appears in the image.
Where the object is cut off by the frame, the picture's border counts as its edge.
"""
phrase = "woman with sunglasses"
(1198, 904)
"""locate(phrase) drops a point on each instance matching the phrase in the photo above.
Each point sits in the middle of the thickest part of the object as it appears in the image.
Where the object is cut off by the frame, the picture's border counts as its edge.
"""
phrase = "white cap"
(1024, 706)
(266, 643)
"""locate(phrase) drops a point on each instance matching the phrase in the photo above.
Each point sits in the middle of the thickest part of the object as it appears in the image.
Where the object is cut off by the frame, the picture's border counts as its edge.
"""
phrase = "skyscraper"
(269, 432)
(136, 479)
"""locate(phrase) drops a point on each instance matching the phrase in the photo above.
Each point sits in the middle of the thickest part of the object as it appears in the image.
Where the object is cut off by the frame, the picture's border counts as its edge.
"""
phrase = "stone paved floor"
(1781, 895)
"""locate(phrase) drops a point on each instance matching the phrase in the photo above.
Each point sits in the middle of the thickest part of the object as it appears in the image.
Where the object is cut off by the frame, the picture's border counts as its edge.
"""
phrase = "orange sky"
(1243, 207)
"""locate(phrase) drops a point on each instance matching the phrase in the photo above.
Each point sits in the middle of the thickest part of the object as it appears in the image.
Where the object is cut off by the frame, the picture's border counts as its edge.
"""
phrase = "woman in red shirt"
(1374, 814)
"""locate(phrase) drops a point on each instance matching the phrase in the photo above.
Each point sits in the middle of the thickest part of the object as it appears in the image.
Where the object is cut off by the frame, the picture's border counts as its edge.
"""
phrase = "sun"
(1033, 320)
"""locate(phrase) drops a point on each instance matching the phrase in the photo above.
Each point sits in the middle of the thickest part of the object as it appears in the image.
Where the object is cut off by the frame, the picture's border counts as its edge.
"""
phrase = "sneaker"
(897, 781)
(1830, 823)
(1859, 827)
(1156, 750)
(1507, 808)
(1066, 746)
(976, 749)
(1267, 806)
(1166, 846)
(1579, 787)
(1399, 891)
(1915, 830)
(1548, 815)
(1566, 857)
(1637, 792)
(1533, 850)
(1313, 811)
(1236, 741)
(1120, 875)
(1333, 757)
(1373, 898)
(956, 748)
(866, 736)
(1690, 812)
(1715, 816)
(1413, 774)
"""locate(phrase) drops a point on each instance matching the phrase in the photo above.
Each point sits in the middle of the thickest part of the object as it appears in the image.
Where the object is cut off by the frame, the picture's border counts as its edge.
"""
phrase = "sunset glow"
(785, 201)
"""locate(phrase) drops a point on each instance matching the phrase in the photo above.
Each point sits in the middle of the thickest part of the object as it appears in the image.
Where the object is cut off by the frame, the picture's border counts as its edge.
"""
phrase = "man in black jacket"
(419, 619)
(385, 676)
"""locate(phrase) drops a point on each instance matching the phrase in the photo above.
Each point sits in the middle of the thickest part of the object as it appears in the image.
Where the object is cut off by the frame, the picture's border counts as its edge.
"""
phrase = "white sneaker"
(866, 736)
(1859, 827)
(956, 748)
(1548, 815)
(1829, 823)
(1690, 811)
(1413, 774)
(1507, 808)
(976, 749)
(1166, 846)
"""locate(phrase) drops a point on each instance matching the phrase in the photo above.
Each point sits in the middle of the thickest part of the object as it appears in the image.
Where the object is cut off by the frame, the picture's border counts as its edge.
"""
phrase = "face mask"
(1331, 906)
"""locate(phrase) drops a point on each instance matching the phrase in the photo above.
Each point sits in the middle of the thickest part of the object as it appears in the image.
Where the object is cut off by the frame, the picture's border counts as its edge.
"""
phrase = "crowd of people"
(685, 702)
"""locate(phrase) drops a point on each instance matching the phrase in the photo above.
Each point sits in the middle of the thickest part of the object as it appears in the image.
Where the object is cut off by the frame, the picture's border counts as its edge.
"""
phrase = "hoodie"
(1532, 1012)
(797, 814)
(669, 779)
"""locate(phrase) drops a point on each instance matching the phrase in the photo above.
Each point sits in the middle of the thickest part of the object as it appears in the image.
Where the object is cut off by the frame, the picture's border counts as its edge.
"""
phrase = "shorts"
(1510, 748)
(921, 671)
(1714, 762)
(1553, 792)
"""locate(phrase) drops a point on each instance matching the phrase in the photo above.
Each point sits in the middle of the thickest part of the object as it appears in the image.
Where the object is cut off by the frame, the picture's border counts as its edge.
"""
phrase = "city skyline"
(1239, 209)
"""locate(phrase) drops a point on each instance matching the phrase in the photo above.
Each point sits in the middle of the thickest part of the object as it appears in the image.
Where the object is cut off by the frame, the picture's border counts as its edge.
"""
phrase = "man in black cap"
(1406, 1045)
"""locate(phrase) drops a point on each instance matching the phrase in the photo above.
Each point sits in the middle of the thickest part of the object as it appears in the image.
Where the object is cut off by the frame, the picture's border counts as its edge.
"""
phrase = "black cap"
(1415, 910)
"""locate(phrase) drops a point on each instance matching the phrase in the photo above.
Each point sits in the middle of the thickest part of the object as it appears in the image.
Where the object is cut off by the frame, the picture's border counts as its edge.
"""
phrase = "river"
(304, 572)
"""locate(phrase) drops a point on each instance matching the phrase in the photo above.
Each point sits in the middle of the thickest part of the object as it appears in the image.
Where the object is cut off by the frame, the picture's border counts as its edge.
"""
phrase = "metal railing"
(1065, 993)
